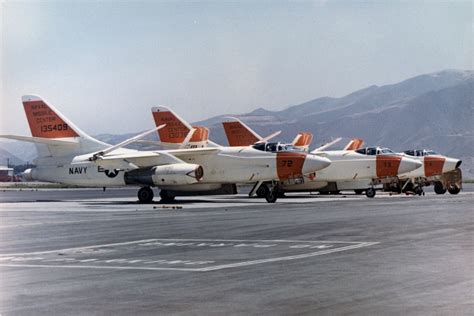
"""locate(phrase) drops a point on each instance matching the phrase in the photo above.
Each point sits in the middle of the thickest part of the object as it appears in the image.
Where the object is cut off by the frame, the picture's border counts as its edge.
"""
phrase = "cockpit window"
(259, 146)
(431, 152)
(372, 151)
(421, 152)
(386, 151)
(274, 147)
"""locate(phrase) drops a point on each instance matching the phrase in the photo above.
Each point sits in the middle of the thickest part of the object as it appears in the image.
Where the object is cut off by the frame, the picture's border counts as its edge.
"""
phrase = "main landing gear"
(166, 197)
(145, 195)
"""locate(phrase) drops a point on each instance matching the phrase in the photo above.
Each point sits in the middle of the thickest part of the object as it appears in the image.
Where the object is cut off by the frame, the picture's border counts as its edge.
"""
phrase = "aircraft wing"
(128, 159)
(189, 153)
(323, 147)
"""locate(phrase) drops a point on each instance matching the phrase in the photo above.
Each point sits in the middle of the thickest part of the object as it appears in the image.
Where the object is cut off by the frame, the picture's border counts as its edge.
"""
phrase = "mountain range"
(428, 111)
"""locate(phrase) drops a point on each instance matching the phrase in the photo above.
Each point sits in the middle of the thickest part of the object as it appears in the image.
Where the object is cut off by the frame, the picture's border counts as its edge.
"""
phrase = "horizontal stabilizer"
(41, 140)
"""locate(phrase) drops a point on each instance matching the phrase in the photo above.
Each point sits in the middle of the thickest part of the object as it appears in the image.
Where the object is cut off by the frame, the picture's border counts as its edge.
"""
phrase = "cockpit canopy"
(274, 147)
(421, 152)
(372, 151)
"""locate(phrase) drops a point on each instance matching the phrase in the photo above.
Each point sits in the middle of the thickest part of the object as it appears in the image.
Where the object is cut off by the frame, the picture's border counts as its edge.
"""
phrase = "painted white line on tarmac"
(287, 258)
(207, 269)
(305, 245)
(179, 240)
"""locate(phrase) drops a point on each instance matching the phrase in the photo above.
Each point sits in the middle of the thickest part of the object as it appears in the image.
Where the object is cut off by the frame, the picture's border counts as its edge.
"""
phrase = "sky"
(105, 64)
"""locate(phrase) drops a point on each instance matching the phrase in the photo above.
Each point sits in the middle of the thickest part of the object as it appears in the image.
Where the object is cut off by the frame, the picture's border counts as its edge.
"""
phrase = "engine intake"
(173, 174)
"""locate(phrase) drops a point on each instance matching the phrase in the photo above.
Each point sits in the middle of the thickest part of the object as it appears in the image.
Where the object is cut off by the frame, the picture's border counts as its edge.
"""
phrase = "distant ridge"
(427, 111)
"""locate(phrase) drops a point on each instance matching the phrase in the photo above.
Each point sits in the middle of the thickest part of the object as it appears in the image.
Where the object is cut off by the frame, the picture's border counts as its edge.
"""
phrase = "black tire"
(418, 190)
(145, 195)
(262, 191)
(454, 189)
(166, 197)
(409, 188)
(358, 191)
(439, 188)
(370, 192)
(272, 196)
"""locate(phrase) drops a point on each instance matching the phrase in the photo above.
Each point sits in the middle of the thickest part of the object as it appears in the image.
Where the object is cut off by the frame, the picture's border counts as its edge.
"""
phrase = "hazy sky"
(105, 64)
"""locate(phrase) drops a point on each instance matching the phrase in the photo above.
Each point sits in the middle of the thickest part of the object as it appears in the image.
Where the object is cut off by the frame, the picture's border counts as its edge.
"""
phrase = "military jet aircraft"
(70, 156)
(438, 170)
(350, 168)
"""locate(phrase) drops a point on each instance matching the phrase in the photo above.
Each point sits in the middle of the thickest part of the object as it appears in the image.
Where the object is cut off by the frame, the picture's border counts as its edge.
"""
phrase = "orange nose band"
(387, 166)
(289, 165)
(433, 166)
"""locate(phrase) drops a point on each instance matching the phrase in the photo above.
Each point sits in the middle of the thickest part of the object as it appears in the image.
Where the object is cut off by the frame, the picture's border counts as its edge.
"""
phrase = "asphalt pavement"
(82, 252)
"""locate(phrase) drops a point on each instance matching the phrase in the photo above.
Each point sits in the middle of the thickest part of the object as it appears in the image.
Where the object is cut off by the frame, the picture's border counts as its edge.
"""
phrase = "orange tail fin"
(45, 121)
(239, 135)
(303, 140)
(354, 144)
(176, 132)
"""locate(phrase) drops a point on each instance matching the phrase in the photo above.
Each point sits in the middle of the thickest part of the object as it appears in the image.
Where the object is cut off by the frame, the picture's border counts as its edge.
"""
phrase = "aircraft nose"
(450, 164)
(408, 164)
(314, 163)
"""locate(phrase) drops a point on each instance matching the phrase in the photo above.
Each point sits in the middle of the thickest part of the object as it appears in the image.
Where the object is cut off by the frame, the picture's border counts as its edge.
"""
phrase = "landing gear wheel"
(272, 196)
(454, 189)
(145, 195)
(262, 191)
(418, 190)
(439, 188)
(358, 191)
(166, 197)
(370, 192)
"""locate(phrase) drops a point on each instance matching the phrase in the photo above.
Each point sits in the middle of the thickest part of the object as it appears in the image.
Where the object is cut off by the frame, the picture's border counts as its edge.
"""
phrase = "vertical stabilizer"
(354, 144)
(178, 133)
(47, 123)
(239, 134)
(303, 140)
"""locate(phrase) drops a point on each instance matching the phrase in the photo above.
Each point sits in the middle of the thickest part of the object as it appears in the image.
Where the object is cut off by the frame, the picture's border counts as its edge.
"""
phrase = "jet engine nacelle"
(173, 174)
(27, 175)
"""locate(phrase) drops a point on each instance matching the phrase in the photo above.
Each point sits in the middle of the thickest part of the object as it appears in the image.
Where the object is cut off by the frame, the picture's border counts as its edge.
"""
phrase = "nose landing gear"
(370, 192)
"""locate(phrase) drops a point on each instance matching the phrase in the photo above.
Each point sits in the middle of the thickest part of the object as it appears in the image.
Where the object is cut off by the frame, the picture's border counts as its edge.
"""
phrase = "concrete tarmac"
(62, 253)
